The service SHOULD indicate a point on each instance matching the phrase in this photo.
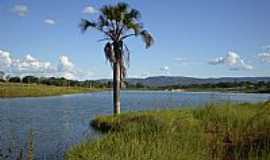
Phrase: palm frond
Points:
(124, 64)
(104, 39)
(122, 6)
(137, 28)
(102, 22)
(147, 38)
(126, 55)
(107, 11)
(118, 22)
(109, 53)
(85, 24)
(123, 72)
(134, 13)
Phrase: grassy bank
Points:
(33, 90)
(218, 132)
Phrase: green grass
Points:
(214, 132)
(33, 90)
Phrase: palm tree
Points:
(117, 23)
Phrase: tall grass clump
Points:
(17, 151)
(214, 132)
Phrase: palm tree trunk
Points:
(116, 88)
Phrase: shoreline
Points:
(199, 90)
(20, 90)
(180, 133)
(8, 90)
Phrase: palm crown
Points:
(118, 23)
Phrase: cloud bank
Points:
(89, 10)
(264, 57)
(30, 65)
(233, 61)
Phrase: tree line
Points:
(53, 81)
(260, 86)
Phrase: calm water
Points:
(58, 122)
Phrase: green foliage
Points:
(53, 81)
(14, 79)
(215, 132)
(117, 23)
(30, 79)
(245, 86)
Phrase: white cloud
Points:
(216, 61)
(65, 64)
(66, 68)
(233, 60)
(27, 66)
(30, 65)
(49, 21)
(165, 69)
(264, 57)
(5, 59)
(20, 10)
(89, 10)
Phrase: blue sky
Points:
(199, 38)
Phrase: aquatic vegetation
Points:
(214, 132)
(15, 151)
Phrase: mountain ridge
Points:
(159, 81)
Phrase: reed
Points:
(213, 132)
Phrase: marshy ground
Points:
(214, 132)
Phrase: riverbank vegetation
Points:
(242, 86)
(245, 86)
(38, 90)
(214, 132)
(54, 81)
(31, 86)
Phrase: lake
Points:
(61, 121)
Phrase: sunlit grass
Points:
(34, 90)
(228, 131)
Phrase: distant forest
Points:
(243, 86)
(52, 81)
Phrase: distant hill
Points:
(178, 80)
